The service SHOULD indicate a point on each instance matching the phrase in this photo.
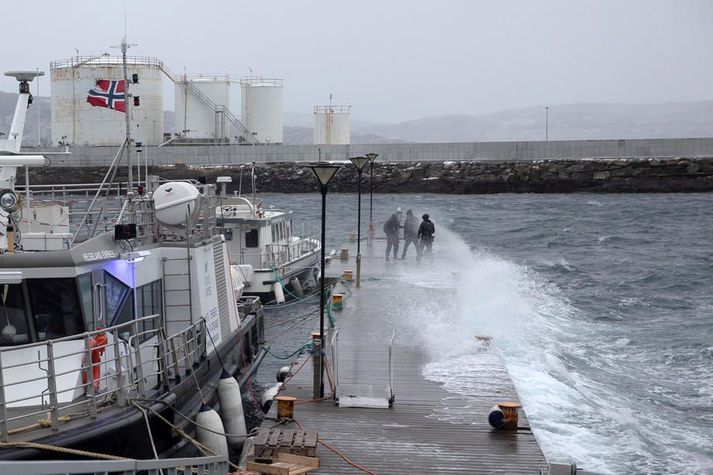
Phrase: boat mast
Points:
(124, 48)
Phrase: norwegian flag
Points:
(108, 94)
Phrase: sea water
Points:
(599, 304)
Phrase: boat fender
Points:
(296, 287)
(282, 373)
(496, 418)
(210, 431)
(279, 293)
(231, 409)
(268, 396)
(97, 346)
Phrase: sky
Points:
(393, 60)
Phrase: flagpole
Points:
(124, 48)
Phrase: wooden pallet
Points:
(270, 442)
(285, 464)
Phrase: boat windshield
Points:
(38, 310)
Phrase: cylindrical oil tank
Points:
(201, 104)
(261, 107)
(332, 125)
(75, 121)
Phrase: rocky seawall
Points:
(461, 177)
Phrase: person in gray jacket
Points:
(391, 229)
(410, 232)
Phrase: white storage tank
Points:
(332, 125)
(261, 108)
(76, 122)
(200, 101)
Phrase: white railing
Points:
(73, 376)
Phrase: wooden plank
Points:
(298, 459)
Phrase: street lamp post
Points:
(372, 230)
(359, 163)
(323, 173)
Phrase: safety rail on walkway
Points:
(48, 383)
(217, 465)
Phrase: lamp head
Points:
(9, 201)
(372, 156)
(324, 173)
(359, 162)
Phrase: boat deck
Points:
(428, 429)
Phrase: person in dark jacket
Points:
(410, 232)
(391, 229)
(426, 231)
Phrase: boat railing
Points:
(217, 465)
(53, 381)
(185, 350)
(276, 254)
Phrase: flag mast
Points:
(124, 48)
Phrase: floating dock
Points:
(427, 429)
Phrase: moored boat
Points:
(267, 256)
(113, 338)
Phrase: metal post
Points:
(52, 386)
(547, 124)
(3, 406)
(124, 48)
(371, 201)
(320, 394)
(358, 257)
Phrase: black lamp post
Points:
(372, 230)
(359, 163)
(323, 173)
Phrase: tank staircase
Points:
(221, 112)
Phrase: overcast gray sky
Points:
(399, 59)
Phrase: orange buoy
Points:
(97, 346)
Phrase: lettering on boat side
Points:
(98, 255)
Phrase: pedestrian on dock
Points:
(426, 231)
(391, 229)
(410, 232)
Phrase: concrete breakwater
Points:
(455, 177)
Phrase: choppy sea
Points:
(601, 306)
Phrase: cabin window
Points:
(86, 297)
(148, 299)
(13, 316)
(55, 307)
(251, 239)
(274, 238)
(116, 294)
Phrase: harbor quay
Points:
(379, 413)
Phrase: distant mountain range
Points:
(566, 122)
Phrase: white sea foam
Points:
(531, 324)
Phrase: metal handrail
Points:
(333, 347)
(217, 465)
(125, 380)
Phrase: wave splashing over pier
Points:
(560, 361)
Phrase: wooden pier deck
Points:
(428, 429)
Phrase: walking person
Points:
(391, 229)
(425, 236)
(410, 232)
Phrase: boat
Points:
(117, 335)
(267, 256)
